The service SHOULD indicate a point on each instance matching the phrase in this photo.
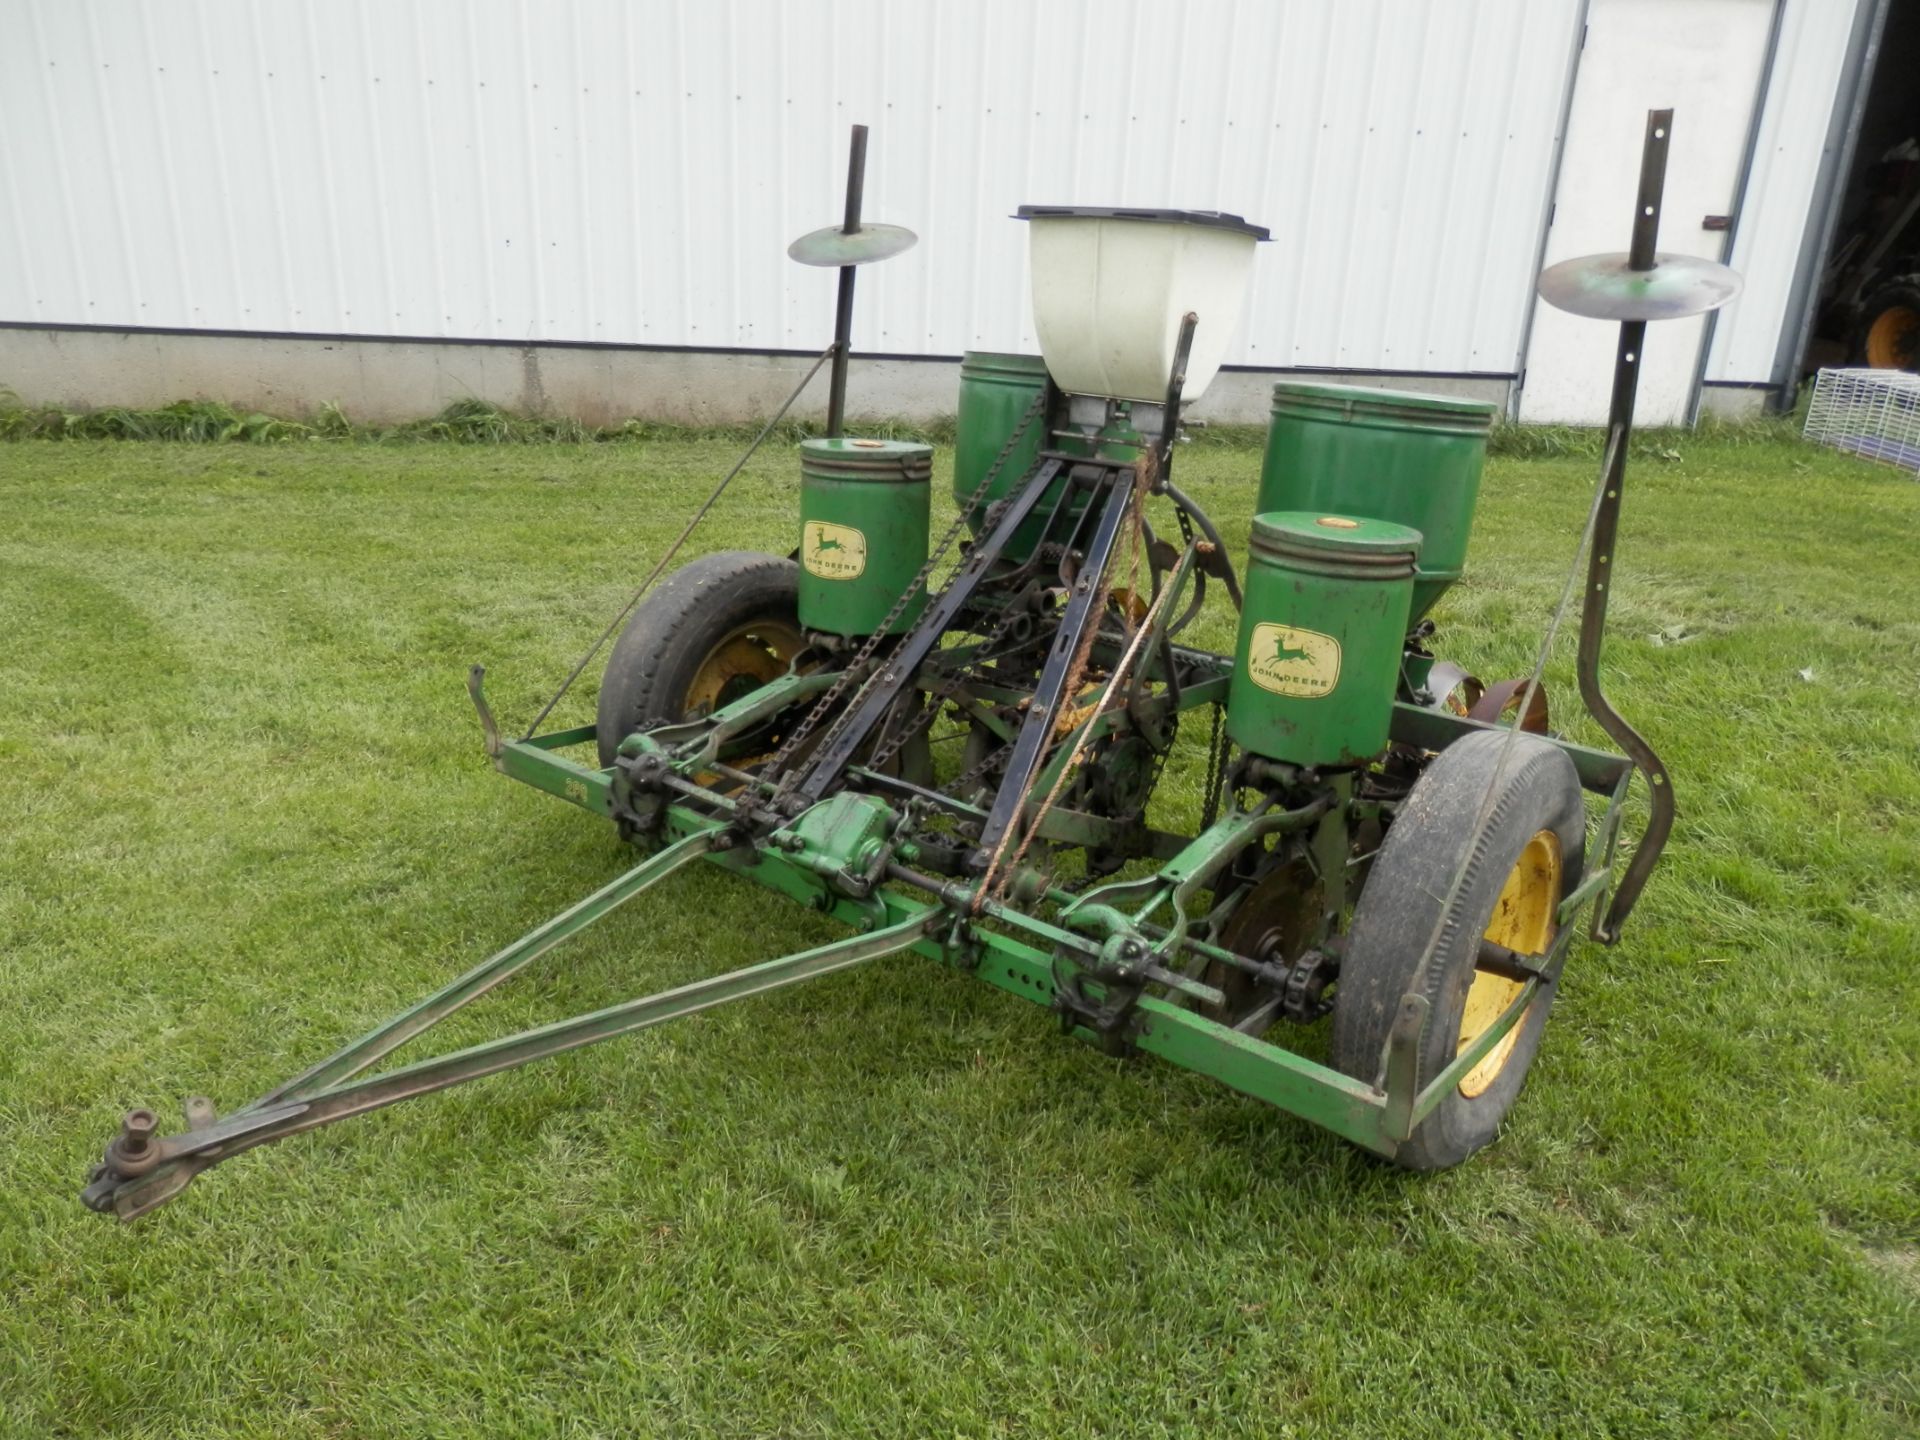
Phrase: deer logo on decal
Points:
(833, 552)
(1288, 661)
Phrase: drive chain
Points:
(835, 693)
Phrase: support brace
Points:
(141, 1173)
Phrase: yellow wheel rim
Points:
(742, 661)
(1523, 922)
(1893, 340)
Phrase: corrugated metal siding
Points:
(633, 172)
(1780, 184)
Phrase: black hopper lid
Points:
(1218, 219)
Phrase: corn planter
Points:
(1381, 846)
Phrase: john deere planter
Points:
(1383, 846)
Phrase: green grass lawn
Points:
(246, 815)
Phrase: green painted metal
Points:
(535, 764)
(1389, 454)
(1120, 906)
(1350, 1108)
(1318, 656)
(560, 739)
(1600, 771)
(864, 506)
(1022, 953)
(996, 392)
(184, 1156)
(1279, 1077)
(843, 838)
(1592, 884)
(491, 972)
(1366, 503)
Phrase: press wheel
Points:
(714, 631)
(1504, 814)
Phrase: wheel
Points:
(1888, 335)
(1520, 862)
(715, 630)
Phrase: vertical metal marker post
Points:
(1606, 527)
(851, 243)
(1633, 288)
(843, 315)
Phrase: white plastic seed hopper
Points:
(1111, 286)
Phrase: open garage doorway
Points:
(1866, 308)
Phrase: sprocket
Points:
(1279, 920)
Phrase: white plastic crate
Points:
(1875, 413)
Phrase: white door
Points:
(1703, 58)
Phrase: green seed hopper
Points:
(1381, 846)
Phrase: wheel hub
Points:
(1523, 923)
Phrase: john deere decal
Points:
(833, 552)
(1302, 663)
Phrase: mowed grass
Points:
(246, 815)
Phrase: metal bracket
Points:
(476, 690)
(1403, 1065)
(1600, 561)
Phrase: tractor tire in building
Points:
(1887, 336)
(715, 630)
(1519, 862)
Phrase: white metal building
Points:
(585, 204)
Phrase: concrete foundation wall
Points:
(388, 381)
(1734, 402)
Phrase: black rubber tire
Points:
(1435, 833)
(1901, 294)
(671, 634)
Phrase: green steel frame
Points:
(1377, 1119)
(999, 943)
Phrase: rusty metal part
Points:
(1144, 471)
(1276, 923)
(1447, 678)
(1606, 529)
(1504, 695)
(1085, 609)
(133, 1151)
